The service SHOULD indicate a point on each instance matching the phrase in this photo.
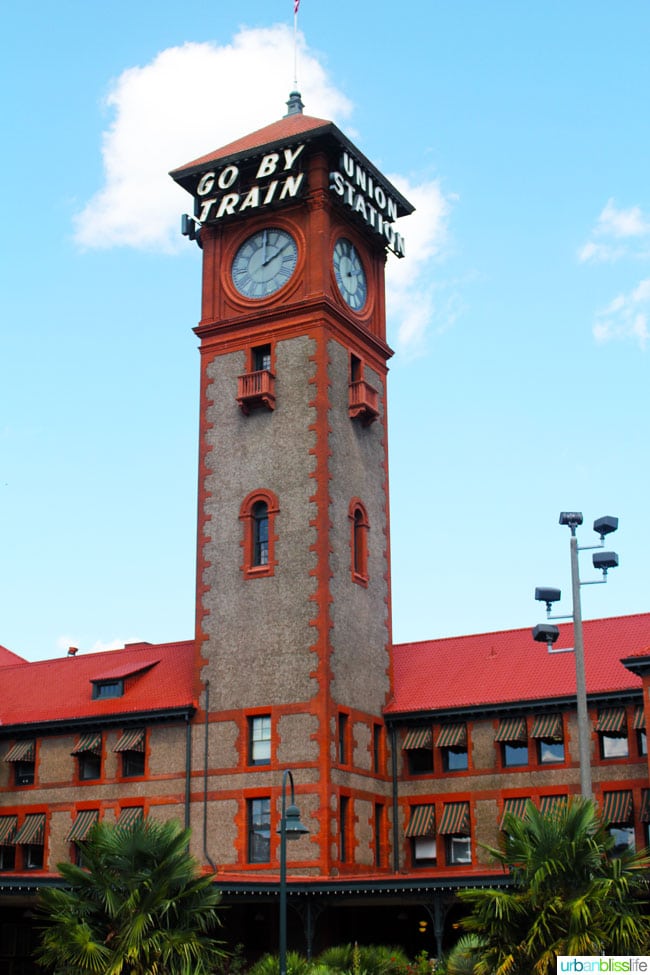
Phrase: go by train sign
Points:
(234, 186)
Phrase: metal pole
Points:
(584, 731)
(283, 873)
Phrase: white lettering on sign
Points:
(363, 194)
(286, 184)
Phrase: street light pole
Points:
(548, 634)
(584, 734)
(290, 828)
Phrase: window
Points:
(258, 813)
(377, 748)
(88, 752)
(618, 811)
(548, 732)
(8, 826)
(452, 742)
(639, 728)
(131, 748)
(342, 741)
(33, 857)
(421, 834)
(378, 834)
(22, 756)
(261, 357)
(24, 773)
(81, 827)
(31, 838)
(642, 742)
(612, 730)
(260, 514)
(455, 827)
(7, 857)
(103, 689)
(259, 739)
(418, 745)
(257, 515)
(344, 827)
(359, 542)
(512, 736)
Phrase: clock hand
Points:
(264, 249)
(273, 256)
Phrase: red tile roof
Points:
(508, 666)
(8, 657)
(284, 128)
(61, 689)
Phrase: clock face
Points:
(349, 274)
(264, 263)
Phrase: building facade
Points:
(404, 758)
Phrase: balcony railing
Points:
(256, 389)
(364, 402)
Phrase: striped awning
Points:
(418, 738)
(455, 819)
(617, 807)
(21, 751)
(611, 720)
(512, 729)
(8, 826)
(639, 719)
(514, 807)
(547, 726)
(86, 819)
(452, 736)
(32, 831)
(645, 806)
(422, 821)
(130, 741)
(129, 816)
(550, 804)
(90, 742)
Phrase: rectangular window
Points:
(24, 773)
(613, 746)
(259, 830)
(377, 740)
(549, 751)
(32, 857)
(261, 358)
(132, 764)
(458, 849)
(90, 766)
(379, 832)
(454, 759)
(424, 851)
(259, 739)
(7, 857)
(642, 742)
(513, 754)
(344, 815)
(343, 747)
(107, 688)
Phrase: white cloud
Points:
(626, 317)
(628, 228)
(188, 101)
(192, 99)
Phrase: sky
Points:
(520, 317)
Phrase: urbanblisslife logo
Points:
(603, 963)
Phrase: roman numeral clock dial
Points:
(264, 263)
(349, 274)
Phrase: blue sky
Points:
(519, 318)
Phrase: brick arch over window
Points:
(257, 515)
(359, 528)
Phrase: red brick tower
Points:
(293, 624)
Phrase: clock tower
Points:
(293, 608)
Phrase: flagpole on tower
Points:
(296, 5)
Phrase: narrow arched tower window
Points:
(359, 542)
(260, 514)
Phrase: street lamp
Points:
(290, 828)
(548, 634)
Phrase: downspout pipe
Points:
(206, 855)
(393, 763)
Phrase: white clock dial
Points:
(264, 263)
(349, 274)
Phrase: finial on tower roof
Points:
(294, 105)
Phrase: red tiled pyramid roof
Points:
(61, 689)
(8, 657)
(508, 666)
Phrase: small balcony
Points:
(364, 402)
(256, 390)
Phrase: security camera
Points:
(605, 560)
(546, 633)
(605, 525)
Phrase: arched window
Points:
(359, 542)
(257, 515)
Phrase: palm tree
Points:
(569, 896)
(138, 906)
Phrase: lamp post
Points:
(290, 828)
(547, 633)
